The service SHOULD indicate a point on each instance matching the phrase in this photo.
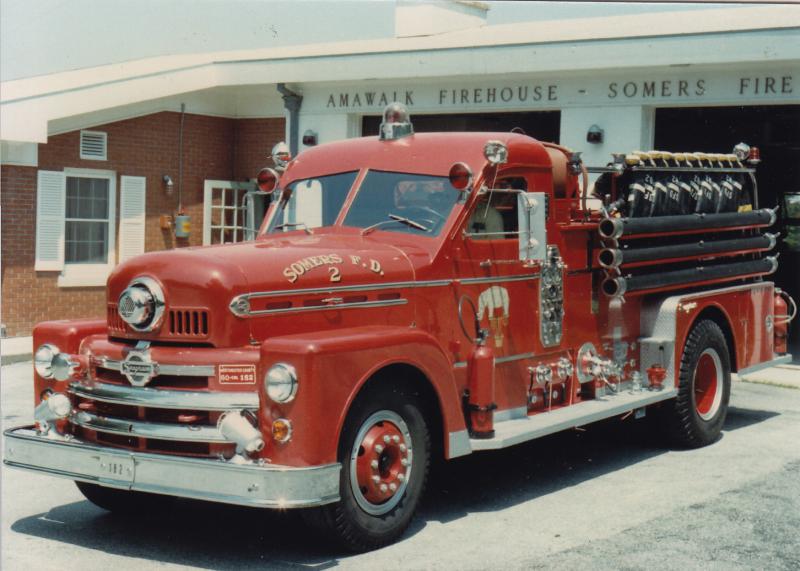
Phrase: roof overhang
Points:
(32, 108)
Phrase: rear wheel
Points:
(696, 416)
(124, 501)
(385, 452)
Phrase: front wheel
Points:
(696, 416)
(385, 453)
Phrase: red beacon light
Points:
(460, 176)
(745, 152)
(267, 180)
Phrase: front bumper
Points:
(255, 485)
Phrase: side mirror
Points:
(532, 218)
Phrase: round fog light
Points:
(282, 430)
(43, 360)
(281, 383)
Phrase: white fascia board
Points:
(640, 41)
(537, 34)
(678, 23)
(27, 119)
(758, 48)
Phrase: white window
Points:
(75, 226)
(232, 211)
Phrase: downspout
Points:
(292, 102)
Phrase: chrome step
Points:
(510, 432)
(162, 398)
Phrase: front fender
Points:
(67, 335)
(332, 367)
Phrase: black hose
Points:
(612, 258)
(618, 227)
(620, 286)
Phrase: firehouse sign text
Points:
(332, 261)
(566, 92)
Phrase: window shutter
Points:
(51, 200)
(131, 216)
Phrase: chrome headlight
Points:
(43, 360)
(141, 304)
(280, 383)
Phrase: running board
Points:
(510, 432)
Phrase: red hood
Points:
(210, 277)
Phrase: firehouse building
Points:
(102, 164)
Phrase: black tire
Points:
(347, 523)
(125, 502)
(695, 417)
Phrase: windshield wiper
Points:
(293, 225)
(396, 218)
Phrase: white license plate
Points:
(115, 468)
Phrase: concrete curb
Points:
(787, 376)
(11, 359)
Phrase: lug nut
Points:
(395, 439)
(386, 439)
(376, 479)
(404, 461)
(374, 464)
(401, 477)
(393, 487)
(383, 488)
(378, 448)
(402, 448)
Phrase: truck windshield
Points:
(311, 203)
(402, 202)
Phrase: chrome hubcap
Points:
(380, 462)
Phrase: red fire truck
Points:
(410, 297)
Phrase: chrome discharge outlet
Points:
(236, 427)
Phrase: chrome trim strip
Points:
(157, 430)
(255, 485)
(511, 358)
(345, 288)
(499, 279)
(333, 306)
(158, 398)
(499, 360)
(357, 288)
(165, 368)
(782, 360)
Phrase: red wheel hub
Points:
(383, 463)
(707, 385)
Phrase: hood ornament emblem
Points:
(138, 366)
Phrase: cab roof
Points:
(424, 153)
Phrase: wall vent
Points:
(94, 145)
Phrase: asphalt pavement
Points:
(609, 497)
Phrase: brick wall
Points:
(213, 148)
(254, 141)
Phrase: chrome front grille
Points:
(164, 416)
